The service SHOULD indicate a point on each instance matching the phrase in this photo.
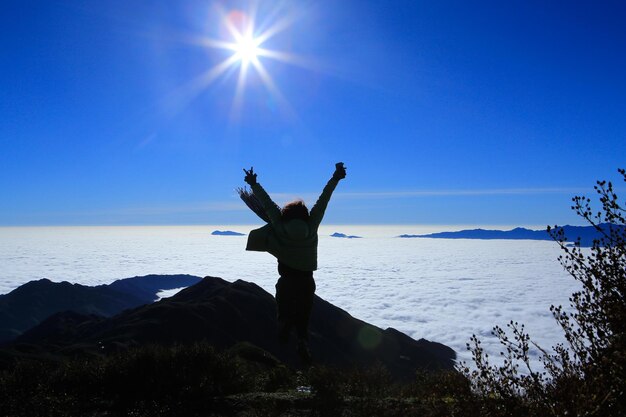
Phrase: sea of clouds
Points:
(438, 289)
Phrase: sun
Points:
(244, 41)
(247, 49)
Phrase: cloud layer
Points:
(441, 290)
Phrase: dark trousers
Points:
(294, 299)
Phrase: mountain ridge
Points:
(31, 303)
(587, 234)
(225, 314)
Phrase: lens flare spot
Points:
(369, 337)
(237, 20)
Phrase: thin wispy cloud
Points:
(312, 197)
(185, 208)
(203, 207)
(466, 192)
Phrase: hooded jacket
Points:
(294, 242)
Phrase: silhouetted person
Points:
(291, 236)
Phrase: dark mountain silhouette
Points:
(226, 233)
(226, 314)
(29, 304)
(586, 233)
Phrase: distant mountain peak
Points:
(587, 234)
(343, 235)
(226, 233)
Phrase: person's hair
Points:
(295, 210)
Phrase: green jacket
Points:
(294, 242)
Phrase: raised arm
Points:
(318, 210)
(271, 209)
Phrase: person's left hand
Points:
(250, 177)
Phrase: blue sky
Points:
(445, 112)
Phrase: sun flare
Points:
(245, 43)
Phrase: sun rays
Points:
(244, 43)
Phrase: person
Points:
(291, 235)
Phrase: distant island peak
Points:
(226, 233)
(344, 236)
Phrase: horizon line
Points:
(256, 225)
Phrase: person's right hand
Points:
(340, 171)
(250, 177)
